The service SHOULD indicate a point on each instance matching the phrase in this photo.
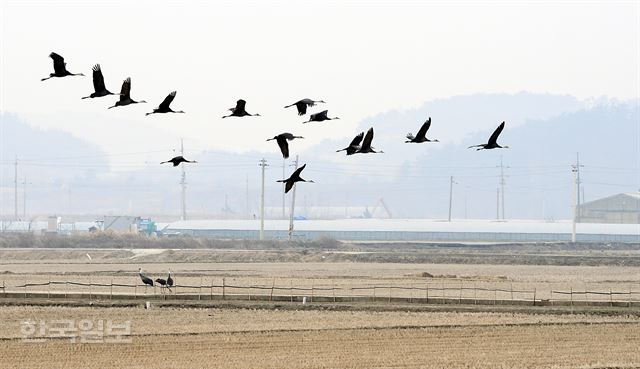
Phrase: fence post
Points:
(444, 298)
(475, 294)
(374, 293)
(66, 287)
(250, 287)
(610, 297)
(586, 294)
(389, 293)
(111, 290)
(200, 291)
(411, 293)
(460, 295)
(534, 296)
(512, 293)
(211, 290)
(629, 300)
(333, 289)
(427, 293)
(48, 288)
(350, 292)
(571, 295)
(313, 282)
(223, 289)
(273, 284)
(135, 291)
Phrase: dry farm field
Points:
(249, 334)
(244, 338)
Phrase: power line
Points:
(502, 184)
(183, 183)
(263, 164)
(15, 192)
(574, 170)
(293, 203)
(451, 182)
(578, 183)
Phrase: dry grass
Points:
(181, 338)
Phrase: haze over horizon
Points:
(468, 66)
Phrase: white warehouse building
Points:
(409, 230)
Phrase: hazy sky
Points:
(361, 57)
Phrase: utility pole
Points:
(284, 215)
(183, 183)
(263, 164)
(502, 185)
(15, 189)
(293, 204)
(24, 198)
(574, 171)
(451, 182)
(247, 197)
(578, 184)
(497, 203)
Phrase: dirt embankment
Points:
(123, 248)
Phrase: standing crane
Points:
(421, 136)
(59, 68)
(146, 280)
(169, 280)
(99, 88)
(493, 140)
(125, 95)
(282, 139)
(303, 104)
(162, 283)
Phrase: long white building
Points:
(409, 230)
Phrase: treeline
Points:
(113, 240)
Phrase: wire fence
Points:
(434, 293)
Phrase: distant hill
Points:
(51, 160)
(543, 131)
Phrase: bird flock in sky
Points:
(361, 144)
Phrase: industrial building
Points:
(623, 208)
